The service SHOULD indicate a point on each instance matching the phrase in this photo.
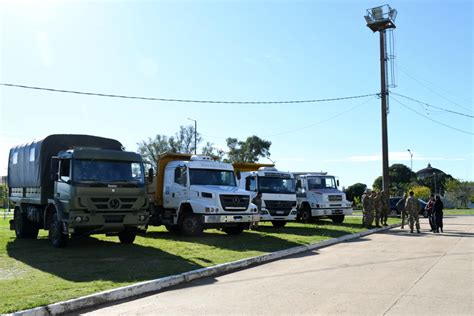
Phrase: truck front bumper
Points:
(230, 218)
(266, 216)
(331, 211)
(105, 221)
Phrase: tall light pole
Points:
(411, 160)
(195, 135)
(434, 178)
(379, 19)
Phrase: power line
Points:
(432, 106)
(185, 100)
(428, 118)
(433, 90)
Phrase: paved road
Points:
(393, 273)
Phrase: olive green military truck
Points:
(76, 184)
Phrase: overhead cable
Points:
(184, 100)
(428, 118)
(432, 106)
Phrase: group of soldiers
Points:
(375, 206)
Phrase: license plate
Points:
(280, 212)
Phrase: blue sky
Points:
(244, 50)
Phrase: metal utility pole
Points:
(379, 19)
(411, 160)
(195, 135)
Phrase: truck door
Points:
(178, 189)
(62, 187)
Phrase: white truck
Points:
(277, 187)
(193, 193)
(318, 196)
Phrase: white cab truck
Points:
(318, 196)
(277, 187)
(193, 193)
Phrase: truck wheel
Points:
(24, 228)
(337, 219)
(306, 214)
(191, 224)
(174, 229)
(234, 230)
(127, 236)
(56, 236)
(278, 224)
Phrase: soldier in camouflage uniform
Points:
(378, 208)
(385, 208)
(412, 206)
(367, 208)
(401, 207)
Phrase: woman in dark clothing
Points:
(438, 214)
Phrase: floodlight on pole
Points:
(379, 19)
(195, 135)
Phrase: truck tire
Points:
(306, 214)
(337, 219)
(191, 224)
(56, 236)
(278, 224)
(234, 230)
(127, 236)
(174, 229)
(24, 228)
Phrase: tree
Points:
(182, 142)
(249, 150)
(3, 195)
(210, 150)
(436, 182)
(459, 192)
(400, 178)
(420, 191)
(355, 190)
(153, 148)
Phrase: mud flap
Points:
(12, 224)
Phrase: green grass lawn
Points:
(33, 273)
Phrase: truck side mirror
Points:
(238, 174)
(54, 169)
(337, 182)
(150, 175)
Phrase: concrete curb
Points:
(165, 282)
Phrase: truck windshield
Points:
(211, 177)
(107, 171)
(315, 183)
(276, 185)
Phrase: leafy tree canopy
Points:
(249, 150)
(355, 190)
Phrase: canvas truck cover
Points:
(29, 165)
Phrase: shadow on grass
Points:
(91, 259)
(247, 241)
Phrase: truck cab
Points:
(278, 193)
(318, 196)
(76, 184)
(199, 193)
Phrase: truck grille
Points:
(279, 205)
(335, 197)
(113, 203)
(235, 202)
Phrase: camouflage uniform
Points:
(401, 207)
(385, 208)
(412, 207)
(378, 208)
(368, 211)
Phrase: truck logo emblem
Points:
(114, 203)
(235, 200)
